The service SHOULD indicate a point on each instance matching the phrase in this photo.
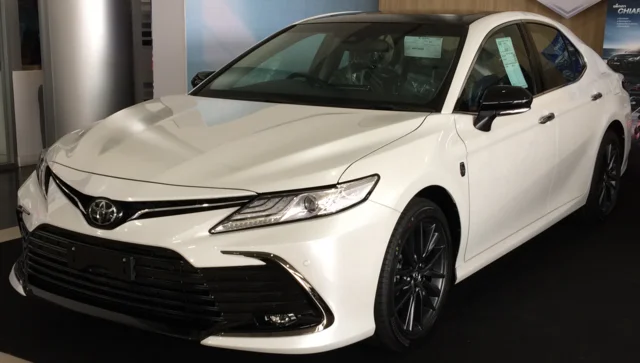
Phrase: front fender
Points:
(430, 156)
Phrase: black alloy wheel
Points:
(605, 183)
(609, 185)
(420, 275)
(416, 276)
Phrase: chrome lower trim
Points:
(327, 315)
(23, 210)
(68, 193)
(15, 283)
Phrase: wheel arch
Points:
(617, 127)
(441, 196)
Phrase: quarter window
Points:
(502, 60)
(577, 60)
(560, 61)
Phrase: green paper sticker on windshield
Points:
(510, 62)
(423, 47)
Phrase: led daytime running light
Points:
(295, 206)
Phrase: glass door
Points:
(4, 134)
(7, 136)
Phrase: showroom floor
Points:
(570, 295)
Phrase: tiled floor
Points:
(10, 181)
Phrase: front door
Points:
(511, 167)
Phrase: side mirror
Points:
(200, 77)
(501, 101)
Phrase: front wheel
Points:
(605, 183)
(416, 275)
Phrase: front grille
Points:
(129, 211)
(159, 286)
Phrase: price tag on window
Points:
(510, 62)
(423, 47)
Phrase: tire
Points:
(427, 286)
(605, 182)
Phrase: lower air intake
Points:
(159, 288)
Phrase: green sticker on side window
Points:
(510, 62)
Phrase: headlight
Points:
(294, 206)
(42, 173)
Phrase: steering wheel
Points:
(314, 81)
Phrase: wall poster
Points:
(621, 47)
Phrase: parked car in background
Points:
(626, 63)
(635, 115)
(331, 184)
(631, 84)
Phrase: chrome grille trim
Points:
(148, 209)
(327, 316)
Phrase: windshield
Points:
(361, 65)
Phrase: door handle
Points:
(596, 96)
(547, 118)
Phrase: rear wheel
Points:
(605, 183)
(416, 276)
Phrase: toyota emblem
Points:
(102, 212)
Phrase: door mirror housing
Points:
(501, 101)
(200, 77)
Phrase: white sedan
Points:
(329, 185)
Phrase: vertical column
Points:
(87, 62)
(169, 48)
(142, 50)
(9, 61)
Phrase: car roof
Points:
(380, 17)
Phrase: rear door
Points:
(574, 96)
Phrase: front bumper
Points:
(335, 259)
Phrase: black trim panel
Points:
(104, 314)
(380, 17)
(156, 289)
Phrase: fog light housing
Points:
(280, 320)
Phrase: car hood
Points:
(217, 143)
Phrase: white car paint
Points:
(522, 177)
(216, 143)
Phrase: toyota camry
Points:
(331, 184)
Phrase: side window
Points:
(502, 60)
(297, 58)
(577, 60)
(560, 60)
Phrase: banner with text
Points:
(621, 47)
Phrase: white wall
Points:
(169, 48)
(27, 115)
